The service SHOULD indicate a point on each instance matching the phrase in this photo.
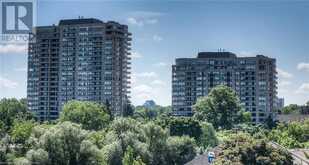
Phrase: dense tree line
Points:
(244, 149)
(87, 133)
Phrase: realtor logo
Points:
(17, 17)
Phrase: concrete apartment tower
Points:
(79, 59)
(253, 78)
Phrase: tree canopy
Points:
(242, 149)
(91, 115)
(221, 108)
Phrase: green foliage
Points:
(38, 156)
(131, 141)
(208, 138)
(112, 153)
(292, 108)
(12, 109)
(91, 115)
(243, 149)
(181, 149)
(65, 143)
(180, 126)
(292, 135)
(154, 138)
(221, 108)
(21, 161)
(21, 131)
(130, 159)
(141, 113)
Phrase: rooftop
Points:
(79, 21)
(216, 55)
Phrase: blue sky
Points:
(165, 30)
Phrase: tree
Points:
(292, 108)
(155, 138)
(221, 108)
(185, 126)
(208, 137)
(292, 135)
(21, 131)
(12, 109)
(180, 149)
(128, 158)
(143, 113)
(243, 149)
(66, 143)
(38, 156)
(91, 116)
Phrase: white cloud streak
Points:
(13, 48)
(303, 89)
(6, 83)
(303, 66)
(136, 55)
(283, 74)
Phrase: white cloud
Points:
(6, 83)
(143, 88)
(13, 48)
(136, 55)
(283, 74)
(303, 89)
(157, 38)
(141, 18)
(284, 80)
(158, 82)
(134, 21)
(143, 92)
(146, 75)
(159, 64)
(303, 66)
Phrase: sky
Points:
(165, 30)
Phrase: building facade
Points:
(253, 79)
(279, 103)
(78, 59)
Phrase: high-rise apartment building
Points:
(79, 59)
(253, 79)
